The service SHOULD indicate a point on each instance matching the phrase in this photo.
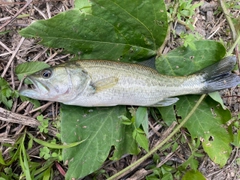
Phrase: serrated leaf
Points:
(191, 162)
(193, 175)
(28, 68)
(101, 129)
(184, 61)
(115, 30)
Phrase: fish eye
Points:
(46, 73)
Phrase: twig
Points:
(35, 2)
(42, 107)
(40, 12)
(159, 51)
(14, 17)
(151, 152)
(12, 57)
(9, 116)
(235, 44)
(7, 140)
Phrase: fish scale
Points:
(109, 83)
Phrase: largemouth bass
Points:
(109, 83)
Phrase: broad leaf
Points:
(101, 128)
(206, 124)
(115, 30)
(184, 61)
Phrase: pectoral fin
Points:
(105, 83)
(165, 102)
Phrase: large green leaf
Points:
(206, 124)
(184, 60)
(116, 30)
(101, 129)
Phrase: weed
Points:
(43, 127)
(6, 93)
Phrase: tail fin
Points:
(219, 76)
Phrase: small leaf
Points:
(127, 122)
(6, 93)
(2, 162)
(190, 162)
(55, 146)
(47, 173)
(44, 152)
(217, 97)
(193, 175)
(236, 139)
(28, 68)
(142, 119)
(141, 139)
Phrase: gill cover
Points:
(60, 83)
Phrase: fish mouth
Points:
(35, 89)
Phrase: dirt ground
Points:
(209, 22)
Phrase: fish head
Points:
(61, 83)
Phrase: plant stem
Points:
(229, 20)
(159, 51)
(152, 151)
(235, 35)
(233, 46)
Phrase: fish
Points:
(93, 83)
